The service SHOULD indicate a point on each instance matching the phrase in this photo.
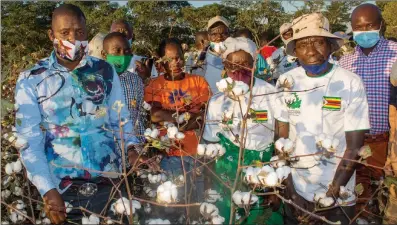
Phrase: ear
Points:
(103, 54)
(51, 35)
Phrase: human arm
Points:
(28, 120)
(346, 168)
(356, 124)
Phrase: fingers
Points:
(57, 215)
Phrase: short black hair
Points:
(113, 35)
(68, 9)
(264, 36)
(168, 41)
(244, 32)
(122, 21)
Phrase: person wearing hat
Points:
(372, 60)
(218, 32)
(280, 62)
(324, 101)
(239, 60)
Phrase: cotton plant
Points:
(123, 206)
(244, 199)
(365, 152)
(266, 176)
(211, 150)
(149, 192)
(212, 196)
(92, 219)
(151, 133)
(217, 220)
(69, 207)
(167, 193)
(327, 143)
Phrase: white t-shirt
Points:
(310, 115)
(260, 132)
(213, 71)
(132, 65)
(281, 63)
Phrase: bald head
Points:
(122, 26)
(366, 17)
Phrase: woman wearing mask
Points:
(225, 117)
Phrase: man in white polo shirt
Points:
(324, 99)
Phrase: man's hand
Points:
(135, 159)
(273, 201)
(143, 69)
(54, 207)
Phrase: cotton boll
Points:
(5, 194)
(208, 210)
(271, 179)
(18, 191)
(146, 106)
(267, 169)
(9, 168)
(149, 192)
(155, 133)
(319, 195)
(46, 221)
(335, 143)
(148, 132)
(180, 136)
(326, 143)
(171, 132)
(68, 207)
(229, 80)
(277, 162)
(147, 208)
(17, 166)
(344, 193)
(248, 198)
(201, 149)
(167, 192)
(222, 85)
(36, 222)
(218, 220)
(211, 150)
(237, 197)
(13, 217)
(279, 144)
(21, 143)
(85, 220)
(212, 196)
(326, 202)
(109, 222)
(251, 175)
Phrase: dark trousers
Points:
(99, 203)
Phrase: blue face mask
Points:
(366, 39)
(315, 69)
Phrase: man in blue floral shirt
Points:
(68, 108)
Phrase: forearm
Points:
(161, 115)
(281, 130)
(347, 166)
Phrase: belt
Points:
(384, 137)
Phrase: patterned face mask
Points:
(70, 51)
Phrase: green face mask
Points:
(120, 62)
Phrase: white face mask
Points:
(218, 47)
(70, 51)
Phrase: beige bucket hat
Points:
(216, 19)
(309, 25)
(285, 27)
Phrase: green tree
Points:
(155, 20)
(338, 14)
(390, 19)
(197, 18)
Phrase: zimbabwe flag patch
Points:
(260, 116)
(332, 103)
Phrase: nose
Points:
(311, 50)
(72, 37)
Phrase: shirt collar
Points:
(377, 48)
(53, 62)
